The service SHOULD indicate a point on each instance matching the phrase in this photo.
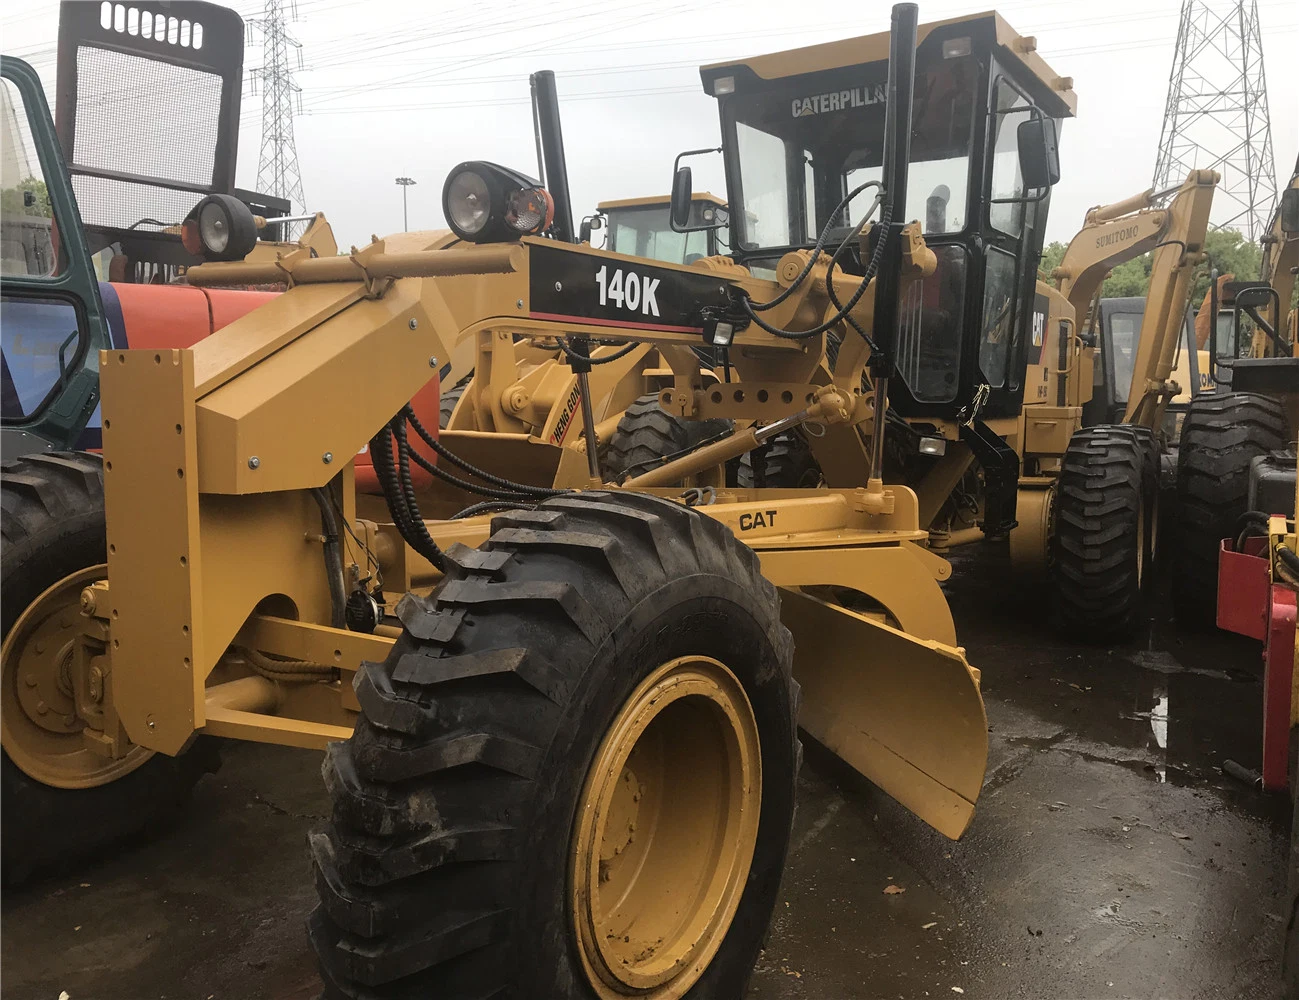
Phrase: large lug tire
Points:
(60, 801)
(1221, 437)
(1106, 530)
(647, 434)
(790, 464)
(468, 841)
(787, 463)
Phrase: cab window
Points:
(1012, 109)
(28, 243)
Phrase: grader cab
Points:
(561, 714)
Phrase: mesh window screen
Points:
(148, 118)
(121, 204)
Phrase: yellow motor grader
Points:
(560, 716)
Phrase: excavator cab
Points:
(802, 129)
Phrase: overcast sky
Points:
(392, 88)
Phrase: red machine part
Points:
(1250, 604)
(1278, 666)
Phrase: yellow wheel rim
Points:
(38, 699)
(665, 831)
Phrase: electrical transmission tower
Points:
(1216, 116)
(277, 172)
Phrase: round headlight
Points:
(468, 202)
(220, 227)
(214, 228)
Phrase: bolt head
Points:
(519, 304)
(42, 708)
(559, 286)
(327, 457)
(151, 723)
(414, 323)
(29, 679)
(433, 361)
(254, 462)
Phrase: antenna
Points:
(1216, 116)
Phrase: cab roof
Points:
(658, 199)
(1053, 92)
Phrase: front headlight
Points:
(468, 203)
(487, 203)
(220, 227)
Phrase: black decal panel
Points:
(1037, 329)
(614, 291)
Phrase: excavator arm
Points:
(1114, 234)
(1179, 250)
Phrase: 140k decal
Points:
(628, 290)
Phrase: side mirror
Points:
(1290, 211)
(29, 199)
(1039, 153)
(584, 233)
(682, 190)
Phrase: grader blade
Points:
(905, 712)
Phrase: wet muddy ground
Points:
(1109, 856)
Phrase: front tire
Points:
(59, 800)
(647, 435)
(461, 835)
(1221, 437)
(1106, 529)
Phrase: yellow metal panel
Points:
(154, 557)
(892, 575)
(256, 547)
(905, 713)
(326, 393)
(240, 345)
(1047, 429)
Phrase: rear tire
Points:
(52, 529)
(790, 464)
(647, 434)
(444, 871)
(1105, 531)
(1221, 437)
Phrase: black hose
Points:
(491, 506)
(402, 504)
(571, 354)
(333, 558)
(872, 268)
(885, 220)
(817, 249)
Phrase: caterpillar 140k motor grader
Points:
(560, 719)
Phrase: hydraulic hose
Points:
(333, 558)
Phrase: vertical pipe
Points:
(552, 147)
(896, 160)
(588, 427)
(536, 133)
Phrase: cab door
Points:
(52, 322)
(1012, 320)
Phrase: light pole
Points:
(405, 182)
